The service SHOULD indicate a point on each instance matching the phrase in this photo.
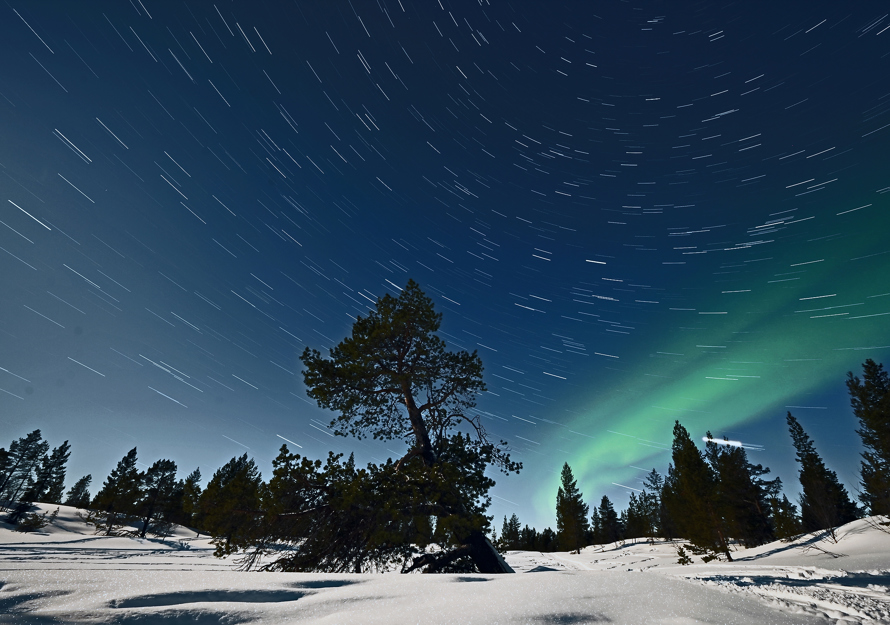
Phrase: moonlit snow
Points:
(65, 573)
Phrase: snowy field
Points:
(67, 574)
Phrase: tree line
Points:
(717, 496)
(393, 379)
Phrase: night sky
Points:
(636, 212)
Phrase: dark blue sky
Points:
(635, 212)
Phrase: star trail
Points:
(635, 212)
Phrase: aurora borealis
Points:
(635, 212)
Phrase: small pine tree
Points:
(683, 557)
(870, 399)
(786, 521)
(596, 528)
(191, 494)
(229, 506)
(120, 493)
(610, 523)
(157, 502)
(53, 484)
(571, 512)
(510, 539)
(824, 502)
(22, 464)
(79, 495)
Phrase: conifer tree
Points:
(24, 458)
(824, 502)
(50, 483)
(120, 493)
(786, 521)
(191, 494)
(230, 505)
(79, 494)
(596, 528)
(510, 539)
(870, 399)
(689, 496)
(741, 497)
(392, 378)
(158, 496)
(547, 541)
(528, 538)
(611, 525)
(571, 512)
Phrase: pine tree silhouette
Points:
(870, 399)
(571, 512)
(824, 502)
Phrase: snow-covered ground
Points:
(67, 574)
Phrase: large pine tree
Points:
(571, 512)
(824, 502)
(689, 495)
(870, 398)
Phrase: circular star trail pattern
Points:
(635, 212)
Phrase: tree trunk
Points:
(485, 556)
(423, 445)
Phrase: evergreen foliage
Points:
(24, 461)
(741, 496)
(689, 495)
(571, 512)
(158, 501)
(870, 399)
(510, 539)
(824, 502)
(191, 495)
(119, 494)
(596, 528)
(229, 507)
(53, 475)
(786, 521)
(610, 525)
(79, 494)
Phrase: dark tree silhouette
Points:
(690, 496)
(741, 497)
(119, 494)
(229, 507)
(79, 494)
(571, 512)
(392, 378)
(870, 398)
(824, 502)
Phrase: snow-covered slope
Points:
(67, 574)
